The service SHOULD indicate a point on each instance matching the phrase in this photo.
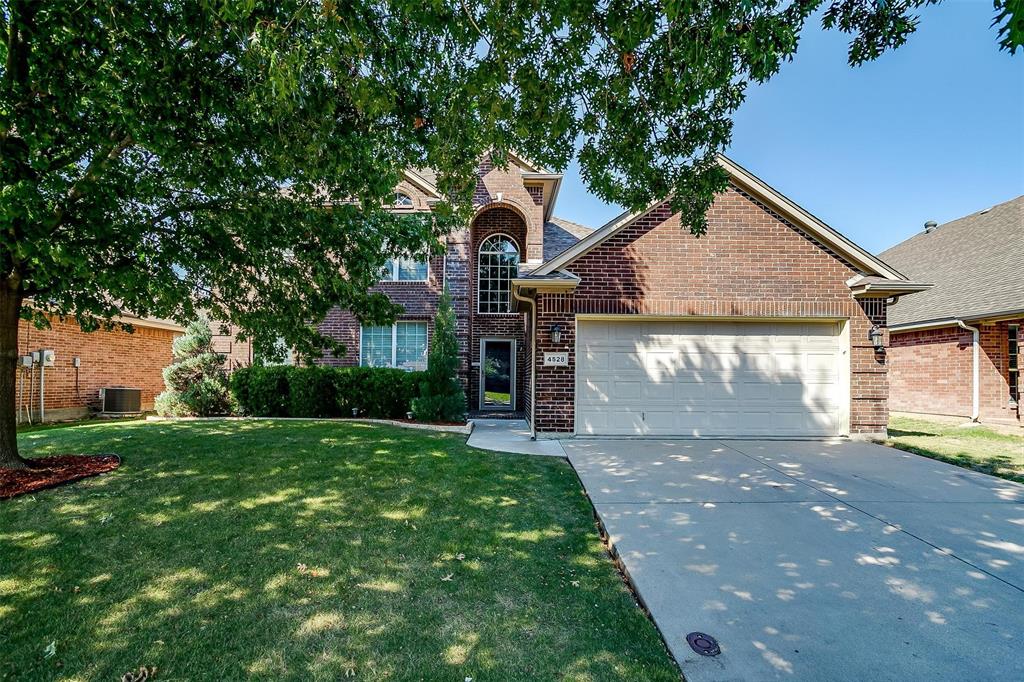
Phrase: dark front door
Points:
(497, 381)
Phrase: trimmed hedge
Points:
(282, 391)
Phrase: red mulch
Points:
(48, 472)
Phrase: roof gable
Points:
(744, 180)
(976, 263)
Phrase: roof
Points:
(560, 234)
(838, 243)
(976, 263)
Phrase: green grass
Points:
(497, 398)
(974, 447)
(313, 551)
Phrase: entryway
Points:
(497, 374)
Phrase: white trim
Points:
(511, 373)
(395, 268)
(479, 250)
(801, 218)
(419, 181)
(394, 341)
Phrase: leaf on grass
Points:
(51, 650)
(460, 556)
(448, 578)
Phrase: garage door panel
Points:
(708, 378)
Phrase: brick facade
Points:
(751, 264)
(932, 372)
(114, 358)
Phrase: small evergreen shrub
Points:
(196, 383)
(441, 397)
(316, 391)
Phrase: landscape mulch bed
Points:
(48, 472)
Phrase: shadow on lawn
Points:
(312, 550)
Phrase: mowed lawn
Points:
(973, 447)
(312, 551)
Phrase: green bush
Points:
(441, 397)
(196, 383)
(324, 391)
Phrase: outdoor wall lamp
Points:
(877, 338)
(556, 333)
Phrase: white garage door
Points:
(709, 378)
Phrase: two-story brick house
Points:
(770, 325)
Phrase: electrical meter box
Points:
(48, 357)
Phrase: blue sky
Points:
(932, 131)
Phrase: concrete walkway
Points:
(511, 435)
(816, 561)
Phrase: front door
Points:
(497, 374)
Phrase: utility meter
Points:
(48, 357)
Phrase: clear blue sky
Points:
(932, 131)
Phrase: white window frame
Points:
(396, 266)
(480, 251)
(403, 207)
(394, 342)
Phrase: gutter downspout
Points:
(533, 359)
(976, 374)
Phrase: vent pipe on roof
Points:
(929, 226)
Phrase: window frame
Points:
(479, 279)
(396, 267)
(396, 204)
(394, 343)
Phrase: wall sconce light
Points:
(877, 338)
(556, 333)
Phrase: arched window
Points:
(497, 265)
(402, 200)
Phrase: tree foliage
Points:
(442, 397)
(196, 383)
(164, 157)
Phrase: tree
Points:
(196, 383)
(162, 157)
(442, 397)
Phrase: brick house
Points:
(104, 358)
(956, 349)
(763, 327)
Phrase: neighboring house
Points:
(956, 349)
(85, 362)
(760, 328)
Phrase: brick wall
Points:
(114, 358)
(751, 263)
(931, 372)
(494, 325)
(527, 201)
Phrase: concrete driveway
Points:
(816, 561)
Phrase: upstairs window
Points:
(402, 200)
(404, 270)
(497, 264)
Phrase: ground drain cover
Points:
(705, 645)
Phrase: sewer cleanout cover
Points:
(705, 645)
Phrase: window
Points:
(402, 345)
(404, 270)
(1014, 365)
(402, 200)
(497, 265)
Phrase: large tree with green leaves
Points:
(234, 156)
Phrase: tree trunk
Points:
(10, 311)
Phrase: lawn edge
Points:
(947, 459)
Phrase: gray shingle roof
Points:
(560, 234)
(976, 264)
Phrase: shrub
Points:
(196, 383)
(441, 397)
(324, 391)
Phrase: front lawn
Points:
(311, 550)
(973, 447)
